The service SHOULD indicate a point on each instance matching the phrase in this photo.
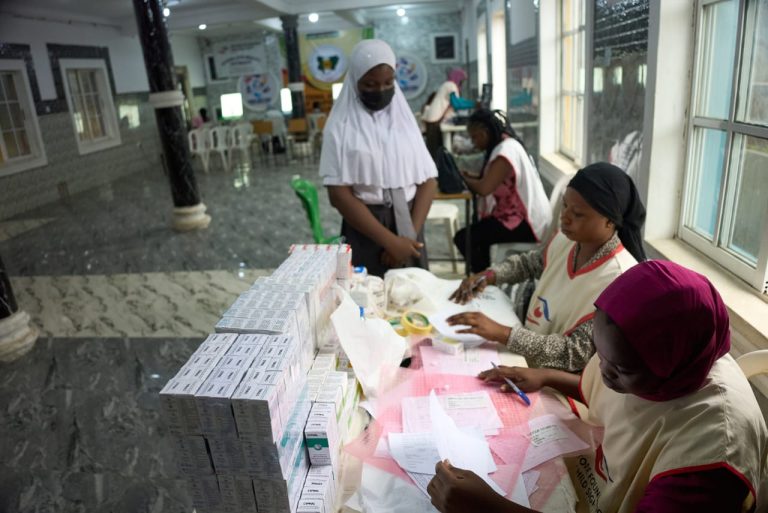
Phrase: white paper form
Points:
(470, 362)
(414, 452)
(531, 479)
(421, 480)
(473, 409)
(550, 438)
(461, 449)
(440, 323)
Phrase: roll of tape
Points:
(398, 326)
(416, 323)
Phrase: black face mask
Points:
(377, 100)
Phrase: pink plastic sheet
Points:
(508, 448)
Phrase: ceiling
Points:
(230, 16)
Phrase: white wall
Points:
(124, 51)
(186, 52)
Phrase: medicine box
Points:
(177, 400)
(237, 494)
(214, 404)
(191, 456)
(256, 411)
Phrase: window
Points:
(20, 144)
(725, 211)
(571, 78)
(90, 103)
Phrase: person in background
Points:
(682, 429)
(514, 206)
(599, 239)
(201, 119)
(442, 108)
(375, 166)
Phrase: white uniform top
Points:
(718, 426)
(527, 184)
(439, 109)
(565, 298)
(373, 151)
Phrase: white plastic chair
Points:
(240, 141)
(752, 364)
(199, 144)
(446, 214)
(501, 251)
(220, 143)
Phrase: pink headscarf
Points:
(675, 320)
(456, 75)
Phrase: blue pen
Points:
(514, 387)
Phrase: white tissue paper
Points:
(371, 345)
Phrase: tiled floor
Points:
(121, 301)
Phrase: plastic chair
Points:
(753, 364)
(501, 251)
(199, 144)
(298, 137)
(447, 214)
(262, 131)
(241, 141)
(220, 143)
(307, 193)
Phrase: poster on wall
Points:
(240, 58)
(411, 74)
(325, 56)
(259, 91)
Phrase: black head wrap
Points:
(611, 192)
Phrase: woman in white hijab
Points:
(375, 165)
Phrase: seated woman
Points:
(599, 239)
(515, 207)
(375, 165)
(682, 429)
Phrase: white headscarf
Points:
(381, 149)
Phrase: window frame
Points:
(756, 276)
(37, 157)
(576, 155)
(109, 113)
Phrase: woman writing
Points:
(515, 206)
(683, 431)
(378, 172)
(599, 239)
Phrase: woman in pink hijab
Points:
(682, 429)
(443, 107)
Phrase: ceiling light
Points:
(313, 17)
(166, 12)
(202, 26)
(400, 11)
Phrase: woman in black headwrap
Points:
(599, 238)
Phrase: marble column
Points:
(189, 211)
(16, 335)
(293, 58)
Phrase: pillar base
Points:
(17, 337)
(190, 218)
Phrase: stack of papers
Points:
(469, 363)
(418, 452)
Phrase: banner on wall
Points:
(240, 58)
(325, 56)
(259, 91)
(411, 74)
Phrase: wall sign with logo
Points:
(411, 75)
(327, 63)
(236, 59)
(259, 91)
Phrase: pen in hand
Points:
(514, 387)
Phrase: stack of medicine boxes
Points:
(239, 406)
